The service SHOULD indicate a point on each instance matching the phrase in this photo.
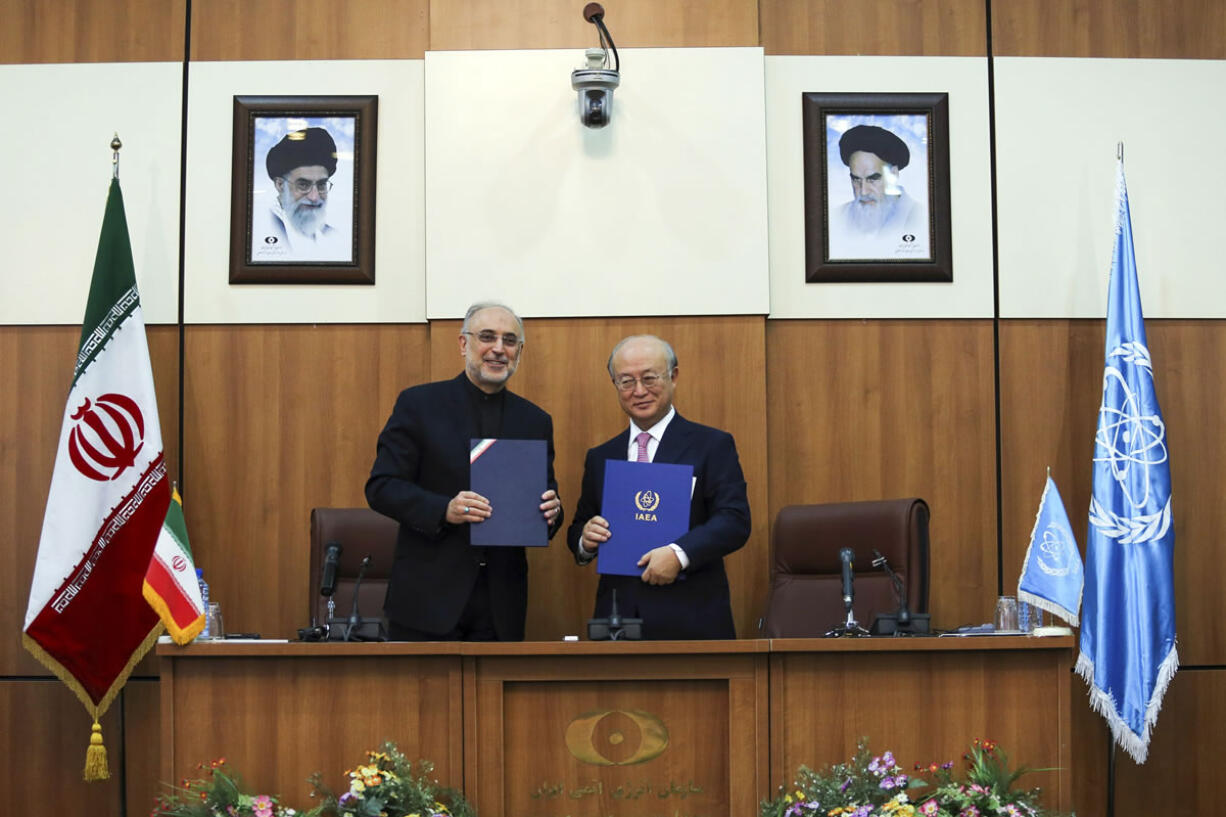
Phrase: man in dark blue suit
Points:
(441, 587)
(683, 589)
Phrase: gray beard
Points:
(869, 218)
(306, 219)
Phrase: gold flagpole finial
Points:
(115, 146)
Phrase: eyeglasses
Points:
(490, 337)
(303, 186)
(651, 381)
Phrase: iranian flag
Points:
(171, 586)
(87, 620)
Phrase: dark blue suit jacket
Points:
(421, 463)
(697, 605)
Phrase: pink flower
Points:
(262, 806)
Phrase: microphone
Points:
(593, 12)
(332, 560)
(355, 618)
(904, 615)
(847, 556)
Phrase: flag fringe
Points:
(180, 635)
(1102, 702)
(1050, 606)
(95, 755)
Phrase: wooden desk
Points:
(621, 729)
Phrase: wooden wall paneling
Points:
(518, 24)
(884, 409)
(1051, 387)
(44, 732)
(950, 28)
(278, 420)
(39, 361)
(721, 383)
(309, 29)
(142, 744)
(1148, 29)
(45, 31)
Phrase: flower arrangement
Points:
(387, 785)
(216, 793)
(875, 786)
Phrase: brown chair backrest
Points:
(806, 597)
(360, 532)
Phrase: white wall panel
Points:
(969, 295)
(662, 212)
(1059, 121)
(56, 140)
(398, 295)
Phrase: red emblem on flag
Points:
(179, 564)
(109, 433)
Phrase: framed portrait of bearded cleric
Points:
(302, 201)
(877, 187)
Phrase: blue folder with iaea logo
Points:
(647, 505)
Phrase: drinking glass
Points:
(213, 621)
(1006, 614)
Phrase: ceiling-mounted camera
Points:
(596, 80)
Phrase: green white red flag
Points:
(87, 620)
(171, 586)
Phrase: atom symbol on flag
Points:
(1054, 550)
(1127, 439)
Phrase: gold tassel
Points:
(95, 757)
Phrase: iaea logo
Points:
(626, 737)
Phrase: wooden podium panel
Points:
(616, 729)
(278, 713)
(925, 700)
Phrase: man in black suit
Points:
(683, 590)
(441, 587)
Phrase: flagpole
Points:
(115, 146)
(1110, 775)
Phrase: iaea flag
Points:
(1052, 574)
(1128, 653)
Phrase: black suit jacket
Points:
(697, 605)
(421, 463)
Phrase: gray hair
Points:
(669, 354)
(477, 307)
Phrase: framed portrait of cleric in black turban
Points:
(877, 187)
(303, 190)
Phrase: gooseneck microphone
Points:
(847, 556)
(355, 617)
(900, 589)
(332, 560)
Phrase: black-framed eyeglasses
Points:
(303, 186)
(651, 381)
(490, 337)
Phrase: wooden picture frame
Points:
(877, 187)
(307, 214)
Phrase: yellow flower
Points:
(357, 786)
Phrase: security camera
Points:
(596, 80)
(595, 85)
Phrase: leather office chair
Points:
(806, 598)
(360, 532)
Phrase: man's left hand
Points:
(662, 565)
(551, 506)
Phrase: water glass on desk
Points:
(213, 624)
(1006, 614)
(1029, 616)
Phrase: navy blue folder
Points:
(511, 474)
(647, 505)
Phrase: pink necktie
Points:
(642, 441)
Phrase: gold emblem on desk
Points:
(646, 501)
(616, 737)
